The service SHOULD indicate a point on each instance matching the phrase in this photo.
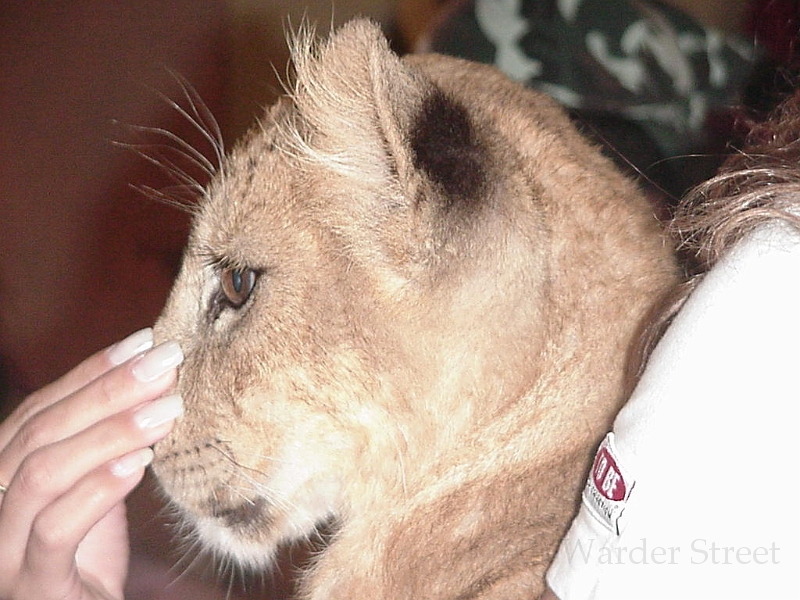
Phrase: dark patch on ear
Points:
(445, 147)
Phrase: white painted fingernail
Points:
(159, 412)
(131, 346)
(158, 361)
(131, 463)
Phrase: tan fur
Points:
(437, 338)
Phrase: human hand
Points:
(69, 455)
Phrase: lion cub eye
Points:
(237, 285)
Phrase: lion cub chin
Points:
(406, 307)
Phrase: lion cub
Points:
(406, 305)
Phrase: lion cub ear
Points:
(368, 114)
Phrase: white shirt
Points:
(706, 449)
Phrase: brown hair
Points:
(757, 184)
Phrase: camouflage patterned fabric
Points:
(645, 62)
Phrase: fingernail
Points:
(131, 346)
(159, 412)
(158, 361)
(131, 463)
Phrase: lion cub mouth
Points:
(208, 477)
(246, 504)
(243, 516)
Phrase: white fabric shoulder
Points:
(708, 448)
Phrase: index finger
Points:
(79, 377)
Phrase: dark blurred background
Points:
(86, 258)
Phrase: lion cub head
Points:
(402, 256)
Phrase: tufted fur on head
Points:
(406, 307)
